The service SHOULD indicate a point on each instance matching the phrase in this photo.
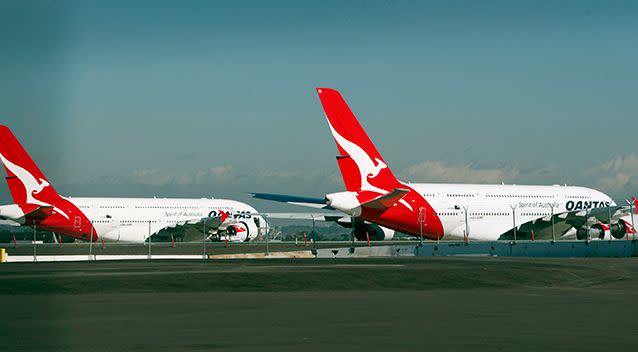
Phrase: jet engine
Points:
(599, 231)
(620, 230)
(237, 232)
(376, 232)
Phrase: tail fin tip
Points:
(359, 160)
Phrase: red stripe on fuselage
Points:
(401, 218)
(77, 225)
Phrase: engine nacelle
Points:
(347, 202)
(237, 232)
(593, 232)
(601, 231)
(376, 232)
(619, 230)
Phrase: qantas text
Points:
(572, 205)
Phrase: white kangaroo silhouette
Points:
(367, 168)
(31, 185)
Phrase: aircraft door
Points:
(463, 219)
(114, 225)
(77, 222)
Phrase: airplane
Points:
(134, 220)
(455, 211)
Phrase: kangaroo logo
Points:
(40, 186)
(377, 168)
(367, 168)
(31, 185)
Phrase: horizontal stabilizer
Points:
(20, 212)
(306, 216)
(387, 200)
(296, 200)
(40, 212)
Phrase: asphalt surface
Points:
(288, 305)
(211, 248)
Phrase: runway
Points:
(286, 305)
(184, 248)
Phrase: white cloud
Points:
(619, 174)
(153, 177)
(279, 174)
(438, 171)
(221, 171)
(157, 177)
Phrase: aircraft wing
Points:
(319, 203)
(193, 230)
(334, 217)
(563, 222)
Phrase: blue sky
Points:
(199, 98)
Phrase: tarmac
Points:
(183, 248)
(25, 252)
(450, 303)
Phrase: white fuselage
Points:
(485, 212)
(135, 219)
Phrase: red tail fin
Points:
(26, 182)
(361, 165)
(223, 215)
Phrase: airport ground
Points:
(167, 248)
(478, 304)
